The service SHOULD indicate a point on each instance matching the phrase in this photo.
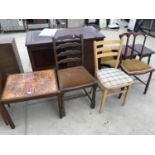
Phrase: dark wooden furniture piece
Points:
(132, 66)
(28, 86)
(72, 74)
(9, 58)
(28, 22)
(1, 86)
(41, 52)
(133, 49)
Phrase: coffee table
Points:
(28, 86)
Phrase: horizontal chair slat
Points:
(97, 43)
(107, 54)
(66, 45)
(69, 60)
(69, 52)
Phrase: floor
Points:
(41, 116)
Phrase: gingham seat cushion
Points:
(111, 77)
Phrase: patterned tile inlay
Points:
(30, 84)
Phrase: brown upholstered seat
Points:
(74, 77)
(135, 66)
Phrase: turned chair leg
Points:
(104, 96)
(6, 116)
(148, 82)
(126, 94)
(93, 96)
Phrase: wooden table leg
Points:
(61, 105)
(148, 82)
(93, 96)
(6, 116)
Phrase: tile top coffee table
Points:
(27, 86)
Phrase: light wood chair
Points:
(110, 79)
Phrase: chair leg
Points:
(8, 105)
(60, 106)
(6, 116)
(104, 96)
(120, 95)
(126, 94)
(4, 119)
(93, 97)
(149, 58)
(148, 82)
(61, 103)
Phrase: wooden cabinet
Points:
(40, 49)
(9, 58)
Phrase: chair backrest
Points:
(68, 51)
(133, 36)
(104, 49)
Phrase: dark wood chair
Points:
(131, 48)
(72, 75)
(132, 66)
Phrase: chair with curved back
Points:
(133, 49)
(71, 73)
(130, 64)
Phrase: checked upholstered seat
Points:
(112, 77)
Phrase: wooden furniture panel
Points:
(9, 58)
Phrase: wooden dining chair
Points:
(110, 79)
(135, 67)
(69, 59)
(132, 48)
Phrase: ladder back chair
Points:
(71, 73)
(110, 79)
(133, 66)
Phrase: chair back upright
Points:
(104, 49)
(68, 51)
(130, 39)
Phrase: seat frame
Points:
(69, 39)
